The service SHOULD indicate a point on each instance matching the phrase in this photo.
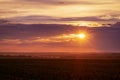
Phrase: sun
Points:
(82, 35)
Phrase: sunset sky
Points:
(93, 12)
(55, 25)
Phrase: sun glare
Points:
(82, 35)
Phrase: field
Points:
(59, 69)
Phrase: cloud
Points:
(116, 25)
(93, 18)
(57, 8)
(68, 2)
(55, 35)
(106, 39)
(54, 39)
(33, 30)
(51, 19)
(8, 13)
(3, 21)
(33, 18)
(10, 41)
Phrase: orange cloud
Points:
(11, 41)
(39, 48)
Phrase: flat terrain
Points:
(59, 69)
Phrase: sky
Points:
(55, 25)
(75, 12)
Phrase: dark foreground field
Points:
(59, 69)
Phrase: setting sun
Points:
(81, 35)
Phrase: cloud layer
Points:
(49, 19)
(60, 36)
(60, 10)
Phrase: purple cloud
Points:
(65, 2)
(103, 38)
(42, 18)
